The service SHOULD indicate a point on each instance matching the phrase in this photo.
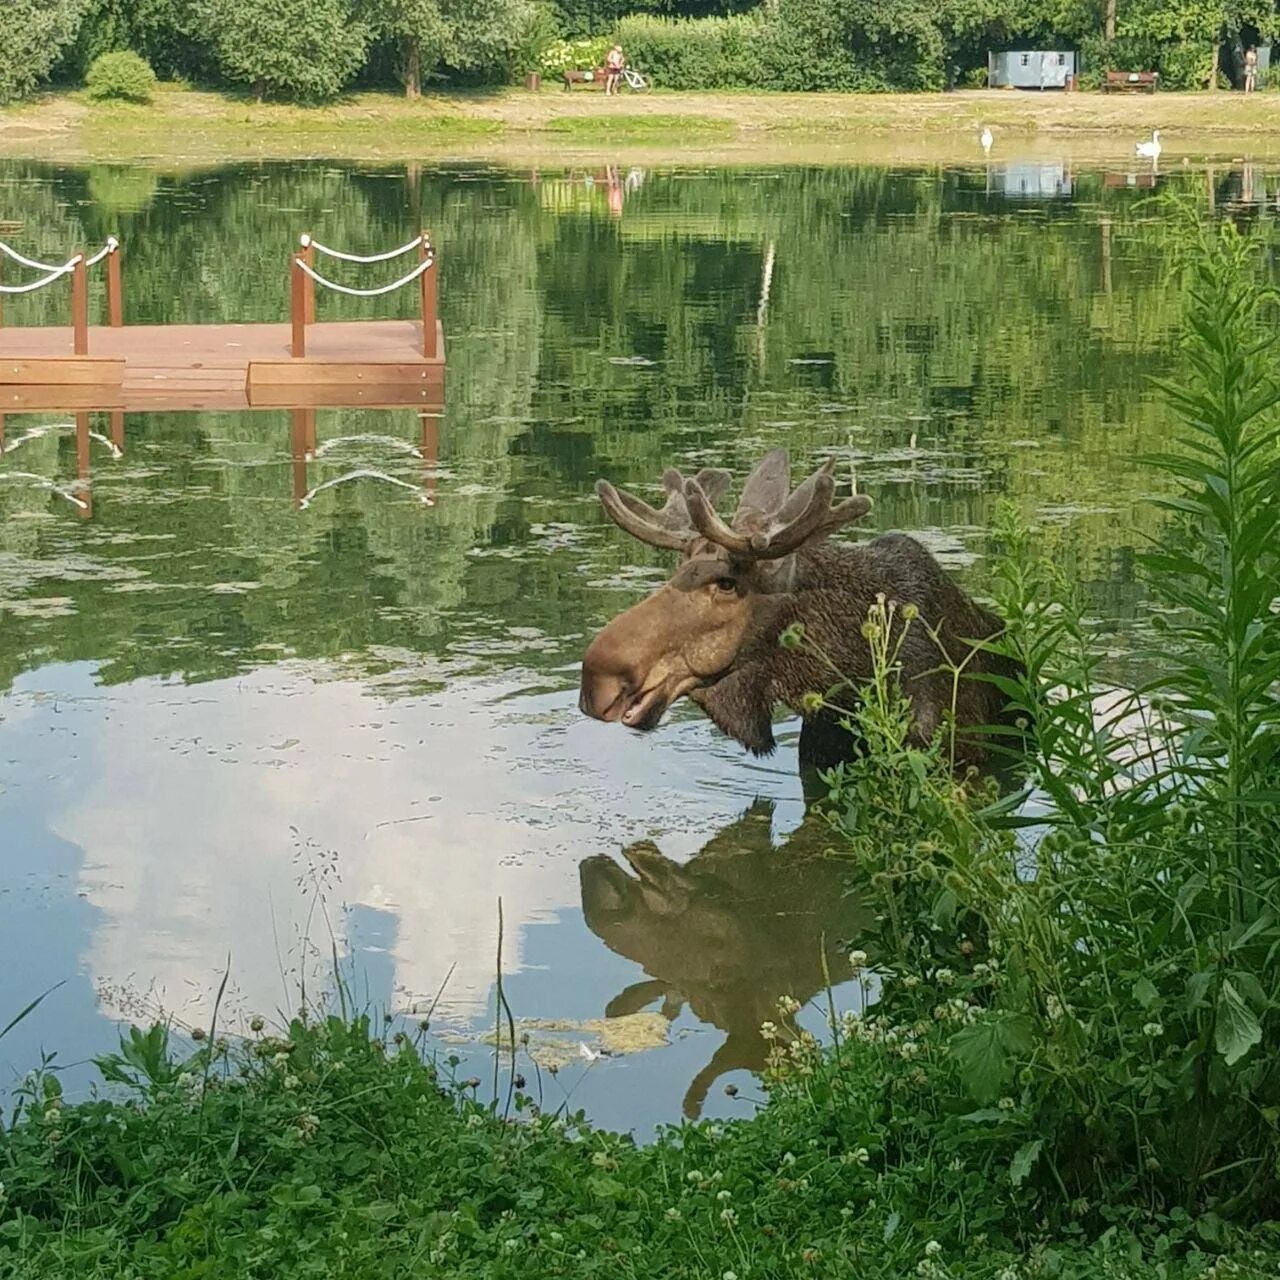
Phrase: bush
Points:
(573, 55)
(309, 50)
(854, 46)
(1104, 1004)
(33, 34)
(120, 75)
(696, 53)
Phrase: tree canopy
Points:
(313, 50)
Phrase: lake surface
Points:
(236, 728)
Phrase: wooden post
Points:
(427, 288)
(117, 428)
(298, 307)
(115, 300)
(80, 308)
(309, 257)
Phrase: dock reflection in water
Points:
(741, 924)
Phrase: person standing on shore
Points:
(1250, 69)
(613, 65)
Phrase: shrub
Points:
(695, 53)
(33, 34)
(1107, 999)
(166, 33)
(862, 46)
(304, 49)
(573, 55)
(120, 75)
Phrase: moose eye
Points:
(726, 584)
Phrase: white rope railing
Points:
(55, 273)
(306, 241)
(309, 270)
(9, 251)
(362, 474)
(110, 247)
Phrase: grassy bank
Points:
(329, 1151)
(187, 126)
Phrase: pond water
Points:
(236, 729)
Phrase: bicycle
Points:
(635, 81)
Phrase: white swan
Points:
(1152, 148)
(985, 138)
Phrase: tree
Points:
(305, 49)
(467, 35)
(1206, 23)
(166, 33)
(33, 34)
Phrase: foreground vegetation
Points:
(1071, 1068)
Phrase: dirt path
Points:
(184, 127)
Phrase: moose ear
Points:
(766, 489)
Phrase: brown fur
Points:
(712, 632)
(834, 591)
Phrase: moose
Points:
(739, 925)
(712, 632)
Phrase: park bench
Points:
(1131, 82)
(593, 78)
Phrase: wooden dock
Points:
(300, 363)
(369, 363)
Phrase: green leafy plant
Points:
(120, 75)
(573, 55)
(33, 34)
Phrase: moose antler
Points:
(670, 527)
(773, 525)
(767, 525)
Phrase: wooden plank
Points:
(426, 397)
(17, 399)
(340, 373)
(78, 371)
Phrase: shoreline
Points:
(191, 128)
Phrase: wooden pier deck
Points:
(136, 368)
(298, 364)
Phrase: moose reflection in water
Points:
(712, 632)
(729, 932)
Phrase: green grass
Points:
(329, 1151)
(604, 128)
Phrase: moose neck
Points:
(834, 589)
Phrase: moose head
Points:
(711, 632)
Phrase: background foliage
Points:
(315, 51)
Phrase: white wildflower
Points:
(1153, 1029)
(857, 961)
(932, 1249)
